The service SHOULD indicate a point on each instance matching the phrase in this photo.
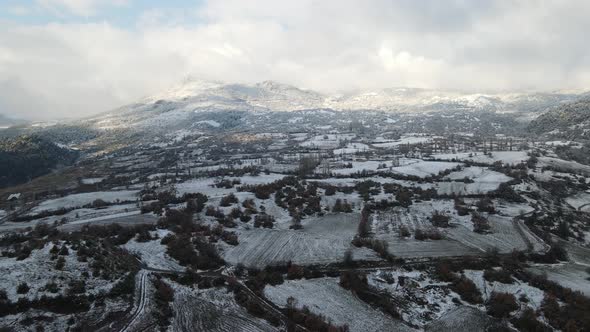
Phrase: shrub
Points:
(22, 288)
(467, 290)
(228, 200)
(500, 305)
(501, 275)
(528, 322)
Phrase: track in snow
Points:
(143, 296)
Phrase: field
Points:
(326, 297)
(507, 157)
(78, 200)
(213, 310)
(569, 275)
(458, 240)
(322, 240)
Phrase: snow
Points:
(507, 157)
(484, 181)
(352, 148)
(570, 275)
(517, 288)
(413, 167)
(326, 297)
(207, 185)
(328, 141)
(422, 298)
(579, 201)
(77, 200)
(322, 240)
(213, 310)
(404, 141)
(563, 165)
(92, 180)
(153, 254)
(210, 123)
(38, 269)
(463, 319)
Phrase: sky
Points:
(73, 58)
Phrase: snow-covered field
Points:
(403, 141)
(324, 296)
(517, 288)
(414, 167)
(564, 165)
(352, 148)
(153, 254)
(213, 310)
(421, 299)
(322, 240)
(506, 157)
(207, 185)
(78, 200)
(570, 275)
(505, 235)
(579, 201)
(38, 270)
(458, 240)
(329, 141)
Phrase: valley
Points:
(270, 208)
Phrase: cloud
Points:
(80, 69)
(79, 7)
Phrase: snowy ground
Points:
(564, 165)
(414, 167)
(78, 200)
(330, 141)
(213, 310)
(421, 299)
(403, 141)
(463, 319)
(38, 269)
(458, 240)
(505, 235)
(207, 185)
(352, 148)
(568, 275)
(322, 240)
(507, 157)
(579, 201)
(484, 181)
(326, 297)
(153, 254)
(517, 288)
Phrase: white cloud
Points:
(79, 7)
(79, 69)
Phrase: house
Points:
(14, 197)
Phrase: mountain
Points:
(193, 96)
(275, 96)
(197, 107)
(6, 121)
(570, 121)
(26, 157)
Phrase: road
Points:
(142, 301)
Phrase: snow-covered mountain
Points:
(196, 95)
(196, 106)
(275, 96)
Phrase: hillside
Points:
(570, 121)
(26, 157)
